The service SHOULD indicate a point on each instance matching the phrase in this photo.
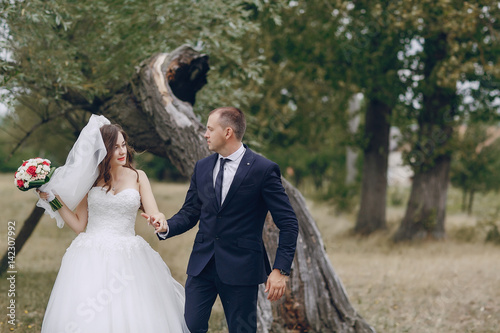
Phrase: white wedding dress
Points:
(111, 280)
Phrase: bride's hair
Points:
(109, 135)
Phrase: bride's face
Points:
(120, 152)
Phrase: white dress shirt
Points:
(230, 168)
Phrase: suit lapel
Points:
(245, 165)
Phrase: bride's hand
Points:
(158, 221)
(43, 195)
(147, 217)
(150, 219)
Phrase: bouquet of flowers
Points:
(34, 173)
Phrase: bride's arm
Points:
(148, 199)
(76, 220)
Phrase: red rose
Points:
(20, 183)
(25, 162)
(31, 170)
(46, 163)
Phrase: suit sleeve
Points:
(189, 214)
(283, 215)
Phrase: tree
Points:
(476, 161)
(369, 41)
(460, 50)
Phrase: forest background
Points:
(334, 91)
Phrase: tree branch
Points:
(33, 128)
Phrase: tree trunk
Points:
(21, 238)
(464, 201)
(371, 215)
(425, 213)
(158, 121)
(471, 202)
(155, 119)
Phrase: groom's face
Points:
(215, 135)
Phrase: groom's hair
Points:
(229, 116)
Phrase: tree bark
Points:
(27, 229)
(471, 202)
(372, 210)
(426, 210)
(463, 208)
(158, 121)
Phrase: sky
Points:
(5, 55)
(3, 107)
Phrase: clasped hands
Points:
(157, 220)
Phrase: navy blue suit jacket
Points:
(233, 232)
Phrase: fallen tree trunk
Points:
(158, 121)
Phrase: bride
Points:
(110, 279)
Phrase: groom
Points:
(230, 194)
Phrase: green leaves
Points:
(63, 59)
(92, 47)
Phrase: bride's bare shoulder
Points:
(136, 173)
(142, 175)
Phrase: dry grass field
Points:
(447, 286)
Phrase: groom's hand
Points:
(161, 227)
(276, 285)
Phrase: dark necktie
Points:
(218, 181)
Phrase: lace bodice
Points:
(109, 213)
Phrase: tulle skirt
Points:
(111, 283)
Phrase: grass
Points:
(446, 286)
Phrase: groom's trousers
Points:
(239, 302)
